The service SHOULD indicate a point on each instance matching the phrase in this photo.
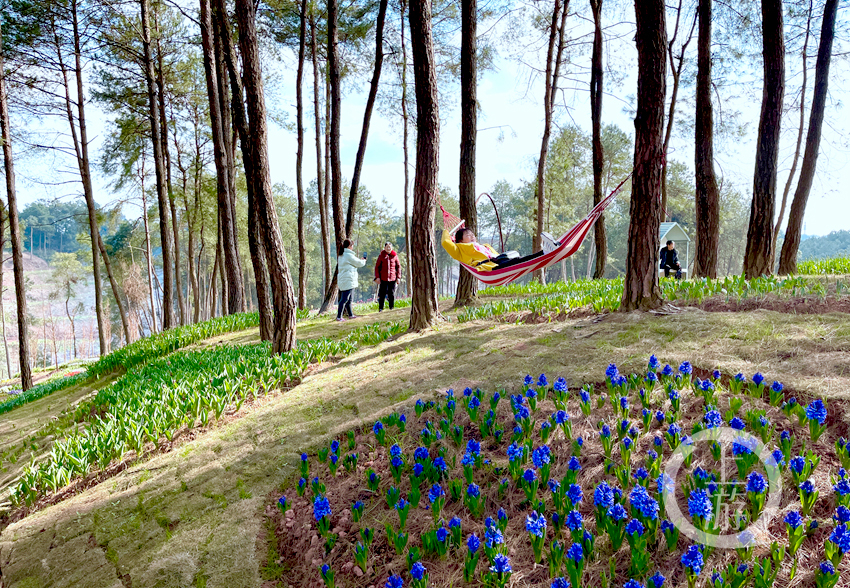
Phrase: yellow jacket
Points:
(470, 254)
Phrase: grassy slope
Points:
(26, 432)
(194, 517)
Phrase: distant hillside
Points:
(31, 262)
(836, 244)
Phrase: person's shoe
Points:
(549, 243)
(354, 316)
(339, 319)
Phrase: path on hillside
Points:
(195, 516)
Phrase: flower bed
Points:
(549, 485)
(173, 394)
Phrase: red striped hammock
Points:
(570, 243)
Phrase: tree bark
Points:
(2, 306)
(788, 258)
(14, 228)
(320, 189)
(334, 84)
(596, 91)
(283, 296)
(641, 290)
(149, 258)
(424, 310)
(556, 40)
(801, 128)
(707, 194)
(367, 116)
(405, 120)
(758, 255)
(676, 71)
(230, 241)
(261, 275)
(81, 149)
(116, 289)
(255, 240)
(467, 285)
(163, 121)
(166, 237)
(299, 156)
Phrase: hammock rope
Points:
(570, 242)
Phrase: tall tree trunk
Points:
(788, 258)
(81, 150)
(641, 290)
(230, 243)
(467, 285)
(757, 256)
(320, 189)
(424, 310)
(367, 116)
(192, 275)
(283, 296)
(261, 276)
(194, 268)
(14, 228)
(149, 258)
(707, 194)
(73, 330)
(116, 289)
(299, 158)
(172, 206)
(405, 119)
(2, 306)
(676, 71)
(800, 129)
(166, 237)
(556, 41)
(596, 91)
(255, 239)
(334, 83)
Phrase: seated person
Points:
(670, 260)
(466, 249)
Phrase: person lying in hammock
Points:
(467, 250)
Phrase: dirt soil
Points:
(196, 516)
(804, 305)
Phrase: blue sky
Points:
(506, 100)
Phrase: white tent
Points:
(674, 232)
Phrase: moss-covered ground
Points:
(196, 516)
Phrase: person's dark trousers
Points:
(668, 269)
(518, 260)
(344, 303)
(386, 291)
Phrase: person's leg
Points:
(341, 299)
(666, 271)
(391, 293)
(382, 294)
(348, 304)
(519, 260)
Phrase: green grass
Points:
(166, 395)
(836, 265)
(605, 295)
(139, 352)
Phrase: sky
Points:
(510, 128)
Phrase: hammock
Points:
(570, 243)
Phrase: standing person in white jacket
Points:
(347, 264)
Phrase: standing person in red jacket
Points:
(387, 270)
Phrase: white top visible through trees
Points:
(348, 264)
